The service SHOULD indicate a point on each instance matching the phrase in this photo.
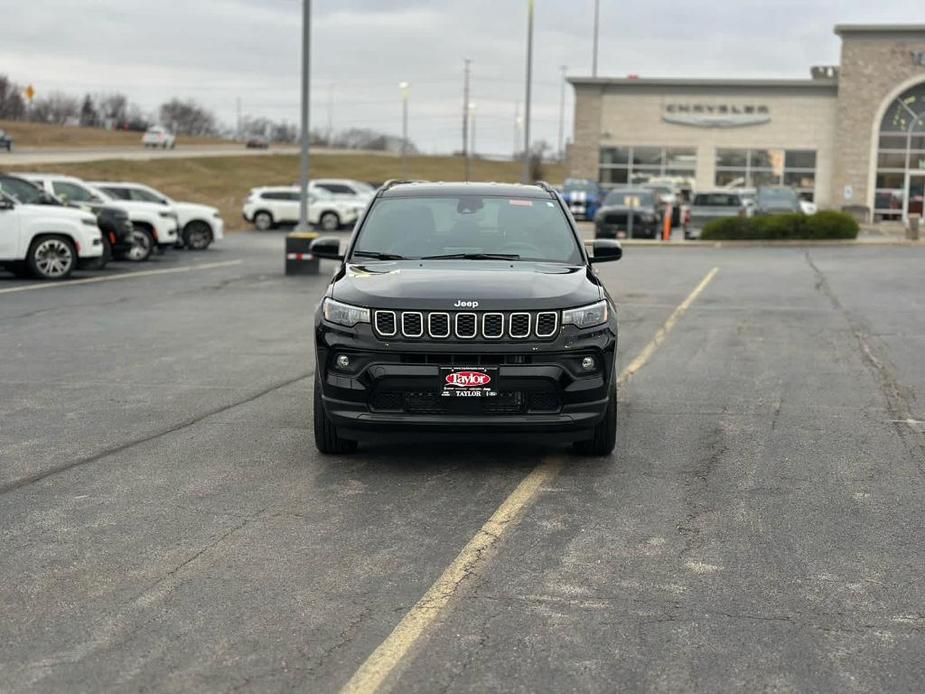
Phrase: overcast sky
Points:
(217, 50)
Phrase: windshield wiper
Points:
(473, 256)
(377, 255)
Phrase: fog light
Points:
(588, 363)
(343, 361)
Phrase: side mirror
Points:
(6, 204)
(606, 250)
(326, 247)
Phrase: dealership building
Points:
(849, 137)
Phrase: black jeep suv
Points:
(466, 310)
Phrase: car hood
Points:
(193, 208)
(70, 214)
(623, 208)
(439, 285)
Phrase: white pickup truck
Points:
(46, 241)
(153, 227)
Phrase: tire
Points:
(142, 245)
(604, 439)
(326, 439)
(263, 220)
(329, 221)
(197, 236)
(52, 258)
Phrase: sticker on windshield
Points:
(522, 203)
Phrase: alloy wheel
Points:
(53, 258)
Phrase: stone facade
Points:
(877, 65)
(837, 113)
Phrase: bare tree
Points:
(12, 105)
(57, 107)
(188, 118)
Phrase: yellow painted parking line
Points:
(123, 276)
(389, 655)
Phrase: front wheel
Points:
(142, 245)
(197, 236)
(263, 221)
(326, 439)
(330, 221)
(604, 439)
(52, 258)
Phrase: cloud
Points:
(219, 50)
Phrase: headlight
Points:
(344, 314)
(89, 221)
(586, 316)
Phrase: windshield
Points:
(777, 195)
(630, 198)
(515, 228)
(26, 193)
(573, 186)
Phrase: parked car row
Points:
(332, 204)
(51, 225)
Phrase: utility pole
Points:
(526, 174)
(238, 112)
(597, 24)
(562, 113)
(306, 85)
(466, 118)
(517, 122)
(330, 113)
(472, 108)
(404, 129)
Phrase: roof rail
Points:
(394, 182)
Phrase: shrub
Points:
(782, 227)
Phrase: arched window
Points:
(901, 157)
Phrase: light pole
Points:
(472, 109)
(306, 84)
(562, 113)
(403, 86)
(465, 124)
(526, 174)
(597, 24)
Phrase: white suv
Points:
(46, 241)
(158, 136)
(200, 225)
(153, 226)
(267, 207)
(343, 188)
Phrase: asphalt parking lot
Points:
(166, 523)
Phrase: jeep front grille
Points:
(466, 325)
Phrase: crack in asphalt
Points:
(71, 464)
(899, 398)
(697, 485)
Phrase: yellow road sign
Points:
(30, 93)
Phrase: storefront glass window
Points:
(620, 165)
(901, 154)
(758, 167)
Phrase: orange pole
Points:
(666, 232)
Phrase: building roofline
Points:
(695, 82)
(879, 29)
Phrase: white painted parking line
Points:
(122, 276)
(377, 668)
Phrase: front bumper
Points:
(395, 387)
